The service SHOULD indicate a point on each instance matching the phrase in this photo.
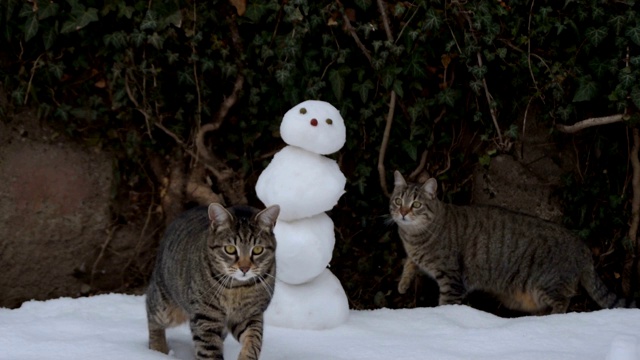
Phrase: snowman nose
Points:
(314, 122)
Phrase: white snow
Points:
(114, 326)
(315, 126)
(301, 182)
(304, 249)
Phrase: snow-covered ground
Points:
(114, 327)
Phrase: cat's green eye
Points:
(230, 249)
(397, 201)
(416, 204)
(257, 250)
(303, 111)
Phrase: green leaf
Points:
(255, 10)
(49, 36)
(634, 34)
(138, 37)
(596, 36)
(587, 90)
(57, 69)
(31, 27)
(87, 17)
(446, 97)
(363, 89)
(476, 86)
(617, 22)
(156, 40)
(282, 76)
(363, 4)
(80, 19)
(627, 78)
(411, 149)
(599, 67)
(47, 9)
(432, 20)
(25, 10)
(397, 87)
(337, 80)
(125, 11)
(149, 22)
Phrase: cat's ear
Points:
(219, 216)
(267, 217)
(431, 188)
(398, 180)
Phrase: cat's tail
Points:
(599, 292)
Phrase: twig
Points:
(635, 204)
(631, 263)
(385, 19)
(33, 73)
(353, 33)
(524, 127)
(185, 147)
(535, 83)
(487, 94)
(509, 44)
(570, 129)
(195, 70)
(110, 232)
(385, 143)
(390, 113)
(421, 165)
(406, 24)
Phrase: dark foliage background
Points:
(198, 89)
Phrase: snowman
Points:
(306, 184)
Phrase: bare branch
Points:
(421, 165)
(353, 33)
(385, 143)
(635, 204)
(631, 263)
(390, 113)
(385, 19)
(487, 94)
(570, 129)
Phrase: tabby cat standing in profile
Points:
(529, 264)
(216, 269)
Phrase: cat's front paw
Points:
(403, 285)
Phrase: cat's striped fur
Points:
(216, 269)
(529, 264)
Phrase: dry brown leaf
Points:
(240, 5)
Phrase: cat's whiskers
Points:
(265, 285)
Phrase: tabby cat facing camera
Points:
(216, 269)
(529, 264)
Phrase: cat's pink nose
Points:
(245, 269)
(404, 211)
(314, 122)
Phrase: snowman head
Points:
(315, 126)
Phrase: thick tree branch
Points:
(570, 129)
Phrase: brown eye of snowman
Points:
(314, 122)
(329, 121)
(303, 111)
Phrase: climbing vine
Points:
(188, 95)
